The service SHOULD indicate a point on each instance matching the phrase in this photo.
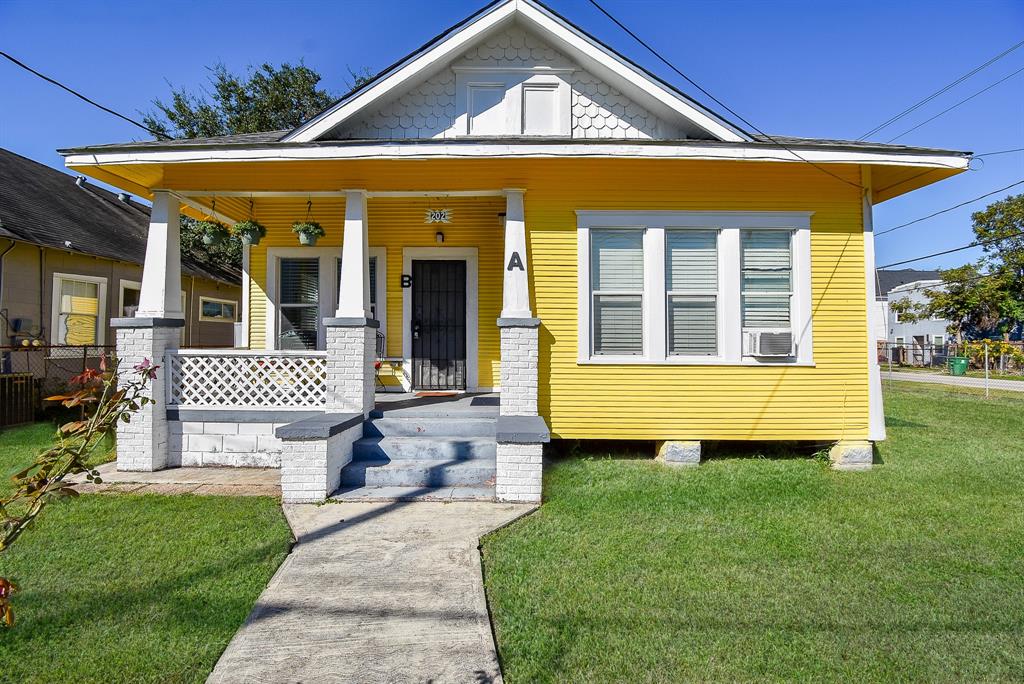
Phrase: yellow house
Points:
(525, 236)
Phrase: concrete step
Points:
(429, 426)
(440, 448)
(418, 473)
(485, 493)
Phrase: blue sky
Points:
(817, 69)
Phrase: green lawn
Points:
(123, 588)
(753, 569)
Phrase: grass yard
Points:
(123, 588)
(750, 569)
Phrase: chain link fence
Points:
(29, 374)
(984, 367)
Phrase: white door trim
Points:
(469, 255)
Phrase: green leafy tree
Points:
(267, 98)
(988, 296)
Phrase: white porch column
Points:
(520, 331)
(876, 426)
(161, 275)
(515, 302)
(142, 444)
(352, 334)
(354, 292)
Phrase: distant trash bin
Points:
(957, 365)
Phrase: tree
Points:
(264, 99)
(988, 296)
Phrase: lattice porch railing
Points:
(246, 379)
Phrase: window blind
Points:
(617, 282)
(691, 272)
(692, 260)
(79, 312)
(299, 287)
(767, 275)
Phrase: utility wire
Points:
(81, 96)
(943, 211)
(992, 154)
(976, 243)
(724, 106)
(942, 90)
(949, 109)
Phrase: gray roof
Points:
(887, 280)
(272, 139)
(44, 206)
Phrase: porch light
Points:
(439, 236)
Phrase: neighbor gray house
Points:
(922, 341)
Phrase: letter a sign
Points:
(515, 261)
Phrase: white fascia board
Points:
(626, 77)
(413, 69)
(611, 150)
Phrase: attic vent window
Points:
(513, 101)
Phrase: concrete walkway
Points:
(212, 481)
(957, 381)
(374, 592)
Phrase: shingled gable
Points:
(516, 35)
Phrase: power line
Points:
(942, 90)
(943, 211)
(724, 106)
(949, 109)
(992, 154)
(81, 96)
(976, 243)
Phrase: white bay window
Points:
(682, 287)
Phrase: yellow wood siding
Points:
(825, 402)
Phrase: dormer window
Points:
(512, 101)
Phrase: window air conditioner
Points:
(776, 343)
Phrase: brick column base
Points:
(351, 353)
(519, 361)
(142, 444)
(520, 472)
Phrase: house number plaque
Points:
(438, 216)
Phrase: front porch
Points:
(313, 400)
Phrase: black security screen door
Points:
(439, 325)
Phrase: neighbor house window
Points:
(128, 303)
(767, 279)
(691, 272)
(220, 310)
(617, 282)
(373, 284)
(78, 309)
(299, 307)
(693, 287)
(938, 340)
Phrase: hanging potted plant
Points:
(249, 232)
(308, 232)
(213, 232)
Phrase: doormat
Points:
(436, 394)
